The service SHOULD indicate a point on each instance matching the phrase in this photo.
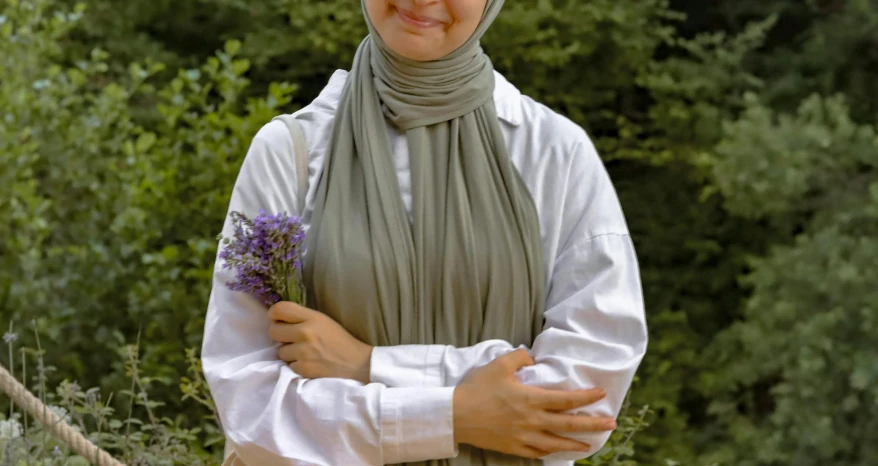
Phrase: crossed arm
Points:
(416, 403)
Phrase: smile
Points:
(417, 21)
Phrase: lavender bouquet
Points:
(266, 254)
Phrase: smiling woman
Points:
(473, 296)
(425, 30)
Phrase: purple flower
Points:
(266, 255)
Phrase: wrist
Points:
(365, 375)
(458, 412)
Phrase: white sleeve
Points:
(272, 416)
(595, 330)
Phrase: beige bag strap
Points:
(300, 151)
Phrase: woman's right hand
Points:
(494, 411)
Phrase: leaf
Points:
(860, 378)
(240, 66)
(144, 142)
(232, 47)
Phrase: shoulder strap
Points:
(300, 152)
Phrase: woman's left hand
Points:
(315, 346)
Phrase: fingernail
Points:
(585, 448)
(610, 425)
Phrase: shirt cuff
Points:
(407, 365)
(417, 425)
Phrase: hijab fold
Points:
(469, 267)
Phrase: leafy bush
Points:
(798, 376)
(135, 442)
(94, 169)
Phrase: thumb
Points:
(289, 312)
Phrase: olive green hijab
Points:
(469, 267)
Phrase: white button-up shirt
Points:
(594, 335)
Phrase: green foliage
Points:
(815, 162)
(619, 450)
(798, 377)
(691, 250)
(156, 441)
(698, 87)
(818, 47)
(101, 243)
(580, 58)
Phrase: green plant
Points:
(619, 450)
(135, 441)
(93, 168)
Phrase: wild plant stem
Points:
(11, 365)
(7, 456)
(41, 368)
(135, 374)
(24, 380)
(130, 415)
(633, 431)
(41, 379)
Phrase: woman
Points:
(450, 221)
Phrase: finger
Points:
(551, 443)
(288, 353)
(564, 400)
(296, 366)
(571, 423)
(283, 332)
(526, 451)
(286, 311)
(306, 369)
(513, 361)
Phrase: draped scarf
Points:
(469, 265)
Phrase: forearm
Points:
(431, 365)
(272, 416)
(594, 336)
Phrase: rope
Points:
(56, 425)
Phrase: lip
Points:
(422, 22)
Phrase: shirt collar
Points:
(507, 98)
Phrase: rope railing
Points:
(54, 423)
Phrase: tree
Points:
(797, 376)
(112, 224)
(817, 47)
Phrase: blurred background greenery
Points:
(740, 135)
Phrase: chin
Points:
(416, 49)
(418, 55)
